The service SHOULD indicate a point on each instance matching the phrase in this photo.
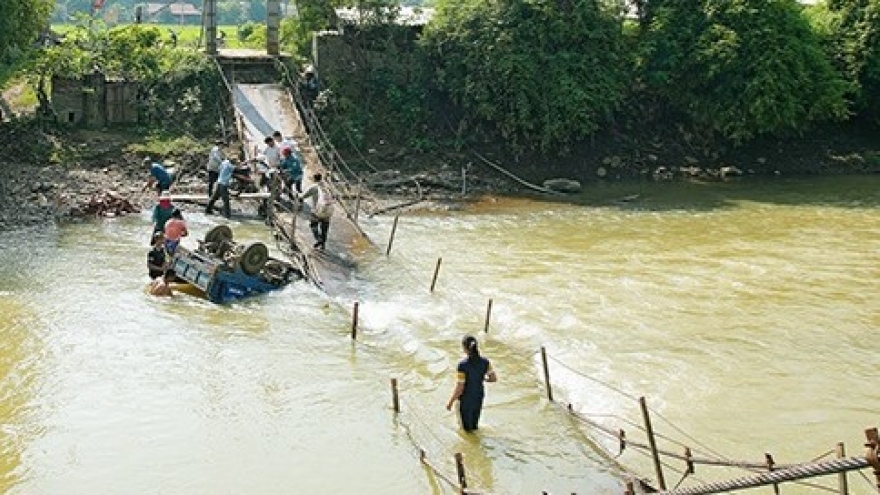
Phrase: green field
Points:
(187, 34)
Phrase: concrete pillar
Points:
(273, 22)
(209, 17)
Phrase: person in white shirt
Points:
(272, 152)
(321, 210)
(215, 157)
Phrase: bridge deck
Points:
(263, 109)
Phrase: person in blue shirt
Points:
(472, 371)
(221, 191)
(293, 171)
(158, 177)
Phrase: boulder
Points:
(563, 185)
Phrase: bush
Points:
(741, 68)
(540, 75)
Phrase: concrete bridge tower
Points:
(273, 24)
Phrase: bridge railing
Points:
(343, 181)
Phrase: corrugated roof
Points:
(176, 8)
(407, 16)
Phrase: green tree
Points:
(311, 16)
(855, 40)
(741, 68)
(541, 73)
(20, 23)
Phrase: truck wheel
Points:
(253, 258)
(219, 234)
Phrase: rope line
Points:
(594, 380)
(792, 473)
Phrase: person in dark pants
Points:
(224, 176)
(159, 177)
(321, 210)
(215, 158)
(469, 391)
(157, 258)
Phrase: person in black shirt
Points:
(157, 258)
(469, 391)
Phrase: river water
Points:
(744, 312)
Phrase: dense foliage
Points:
(852, 31)
(179, 87)
(379, 90)
(537, 75)
(542, 73)
(741, 68)
(20, 23)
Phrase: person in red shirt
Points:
(175, 229)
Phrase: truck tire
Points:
(219, 234)
(253, 258)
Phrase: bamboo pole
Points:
(488, 316)
(354, 321)
(393, 231)
(871, 455)
(463, 181)
(689, 461)
(770, 464)
(395, 399)
(546, 374)
(357, 201)
(436, 273)
(459, 470)
(842, 483)
(652, 442)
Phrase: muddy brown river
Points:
(745, 312)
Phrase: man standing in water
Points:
(161, 286)
(162, 212)
(157, 258)
(469, 391)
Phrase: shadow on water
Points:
(861, 191)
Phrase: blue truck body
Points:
(223, 282)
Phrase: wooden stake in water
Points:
(354, 321)
(395, 399)
(463, 181)
(488, 316)
(770, 466)
(873, 446)
(652, 442)
(393, 231)
(436, 272)
(546, 374)
(459, 470)
(842, 483)
(357, 201)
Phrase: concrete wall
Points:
(94, 102)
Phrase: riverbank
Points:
(80, 175)
(70, 175)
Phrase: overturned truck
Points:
(225, 270)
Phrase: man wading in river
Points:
(162, 285)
